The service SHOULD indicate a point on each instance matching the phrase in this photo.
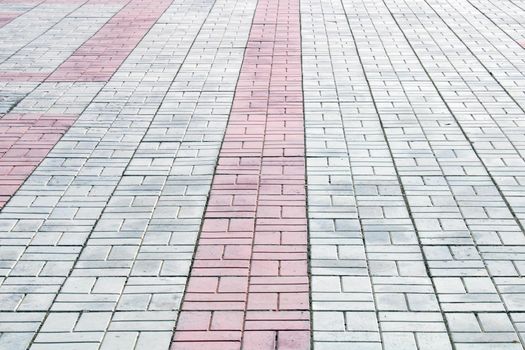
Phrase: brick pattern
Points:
(31, 136)
(30, 63)
(34, 23)
(6, 17)
(506, 16)
(410, 192)
(498, 121)
(99, 57)
(25, 140)
(10, 10)
(101, 258)
(413, 116)
(249, 286)
(7, 76)
(37, 59)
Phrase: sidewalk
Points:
(262, 174)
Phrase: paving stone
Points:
(376, 94)
(95, 154)
(273, 168)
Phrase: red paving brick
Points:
(248, 286)
(414, 117)
(8, 16)
(25, 140)
(23, 76)
(99, 57)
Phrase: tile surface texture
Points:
(262, 174)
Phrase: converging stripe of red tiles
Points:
(7, 17)
(25, 140)
(248, 287)
(99, 57)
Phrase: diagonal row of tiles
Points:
(249, 285)
(131, 177)
(425, 221)
(414, 137)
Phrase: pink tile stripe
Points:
(25, 140)
(23, 76)
(248, 286)
(6, 17)
(99, 57)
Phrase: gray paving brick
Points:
(414, 147)
(428, 187)
(125, 188)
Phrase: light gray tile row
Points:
(487, 115)
(426, 270)
(32, 24)
(36, 43)
(49, 50)
(509, 17)
(370, 288)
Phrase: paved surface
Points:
(262, 174)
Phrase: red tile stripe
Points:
(100, 56)
(248, 286)
(25, 140)
(82, 72)
(7, 17)
(23, 76)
